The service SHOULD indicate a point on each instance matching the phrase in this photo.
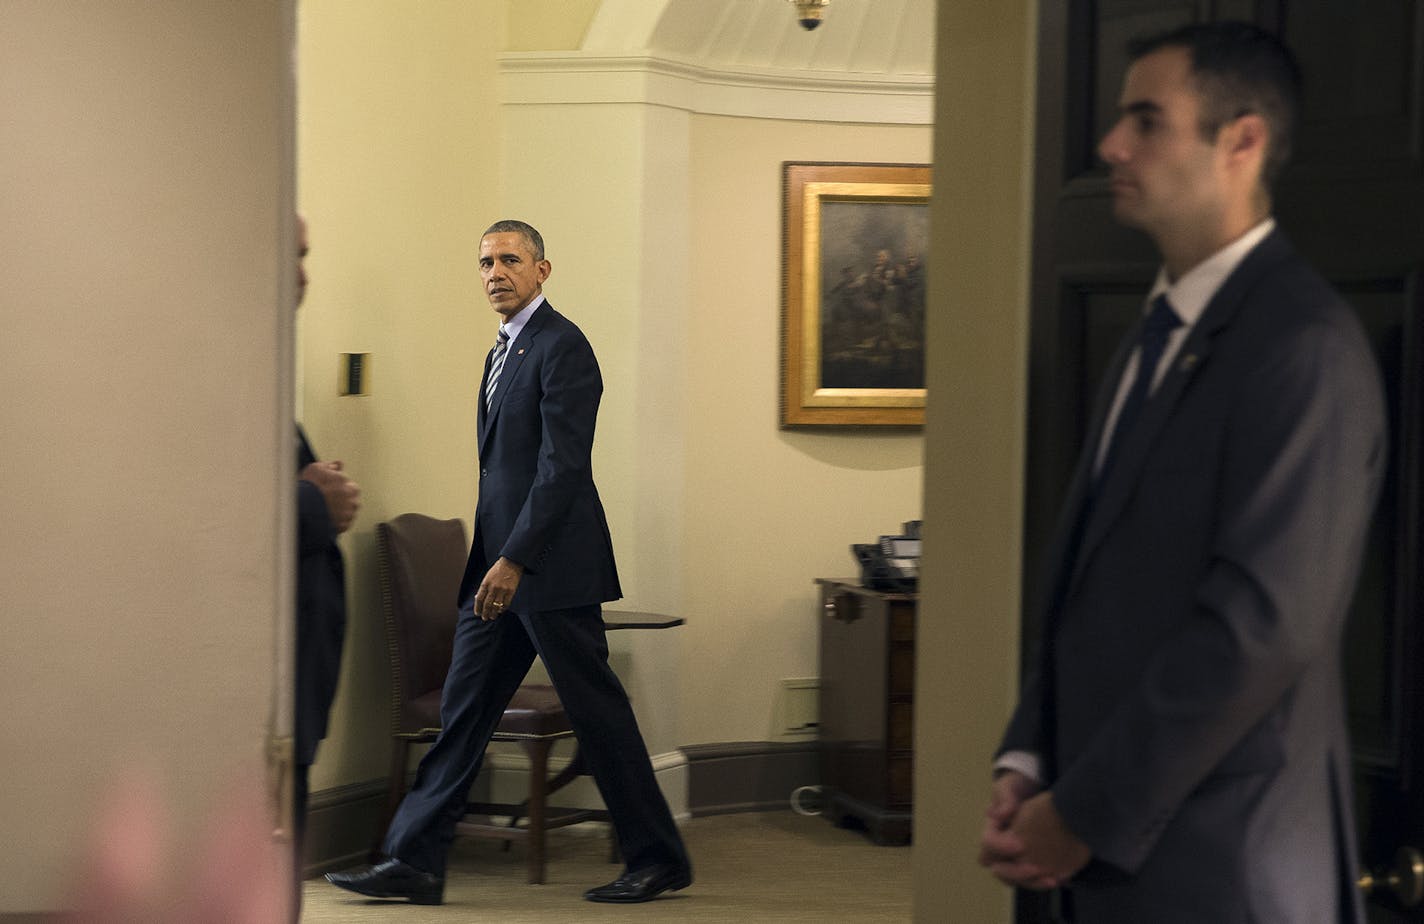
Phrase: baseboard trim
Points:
(342, 820)
(748, 776)
(698, 779)
(341, 825)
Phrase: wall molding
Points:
(576, 78)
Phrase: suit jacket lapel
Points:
(517, 351)
(1132, 454)
(1071, 525)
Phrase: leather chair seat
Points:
(535, 712)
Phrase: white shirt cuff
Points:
(1025, 762)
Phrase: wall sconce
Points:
(809, 12)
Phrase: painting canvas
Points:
(873, 294)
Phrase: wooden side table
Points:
(867, 708)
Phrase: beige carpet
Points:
(775, 866)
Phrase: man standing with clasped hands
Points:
(1179, 755)
(539, 568)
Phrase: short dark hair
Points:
(514, 226)
(1239, 68)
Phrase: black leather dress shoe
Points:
(642, 885)
(392, 879)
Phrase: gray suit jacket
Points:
(1188, 698)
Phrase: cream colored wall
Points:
(978, 345)
(540, 25)
(663, 229)
(766, 511)
(146, 453)
(398, 175)
(664, 232)
(607, 185)
(145, 294)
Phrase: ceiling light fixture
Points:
(809, 12)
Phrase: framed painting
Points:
(854, 240)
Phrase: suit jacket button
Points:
(484, 472)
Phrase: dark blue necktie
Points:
(1160, 323)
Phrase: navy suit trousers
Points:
(490, 661)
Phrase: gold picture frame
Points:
(854, 238)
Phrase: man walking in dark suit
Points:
(1180, 755)
(540, 566)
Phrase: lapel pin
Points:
(1188, 362)
(520, 353)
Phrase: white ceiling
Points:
(890, 38)
(869, 61)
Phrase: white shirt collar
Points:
(1189, 298)
(514, 325)
(1190, 294)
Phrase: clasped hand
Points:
(342, 495)
(1025, 842)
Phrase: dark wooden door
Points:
(1353, 202)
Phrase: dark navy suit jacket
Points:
(1190, 698)
(537, 503)
(321, 611)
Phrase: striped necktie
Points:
(501, 347)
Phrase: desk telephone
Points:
(893, 563)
